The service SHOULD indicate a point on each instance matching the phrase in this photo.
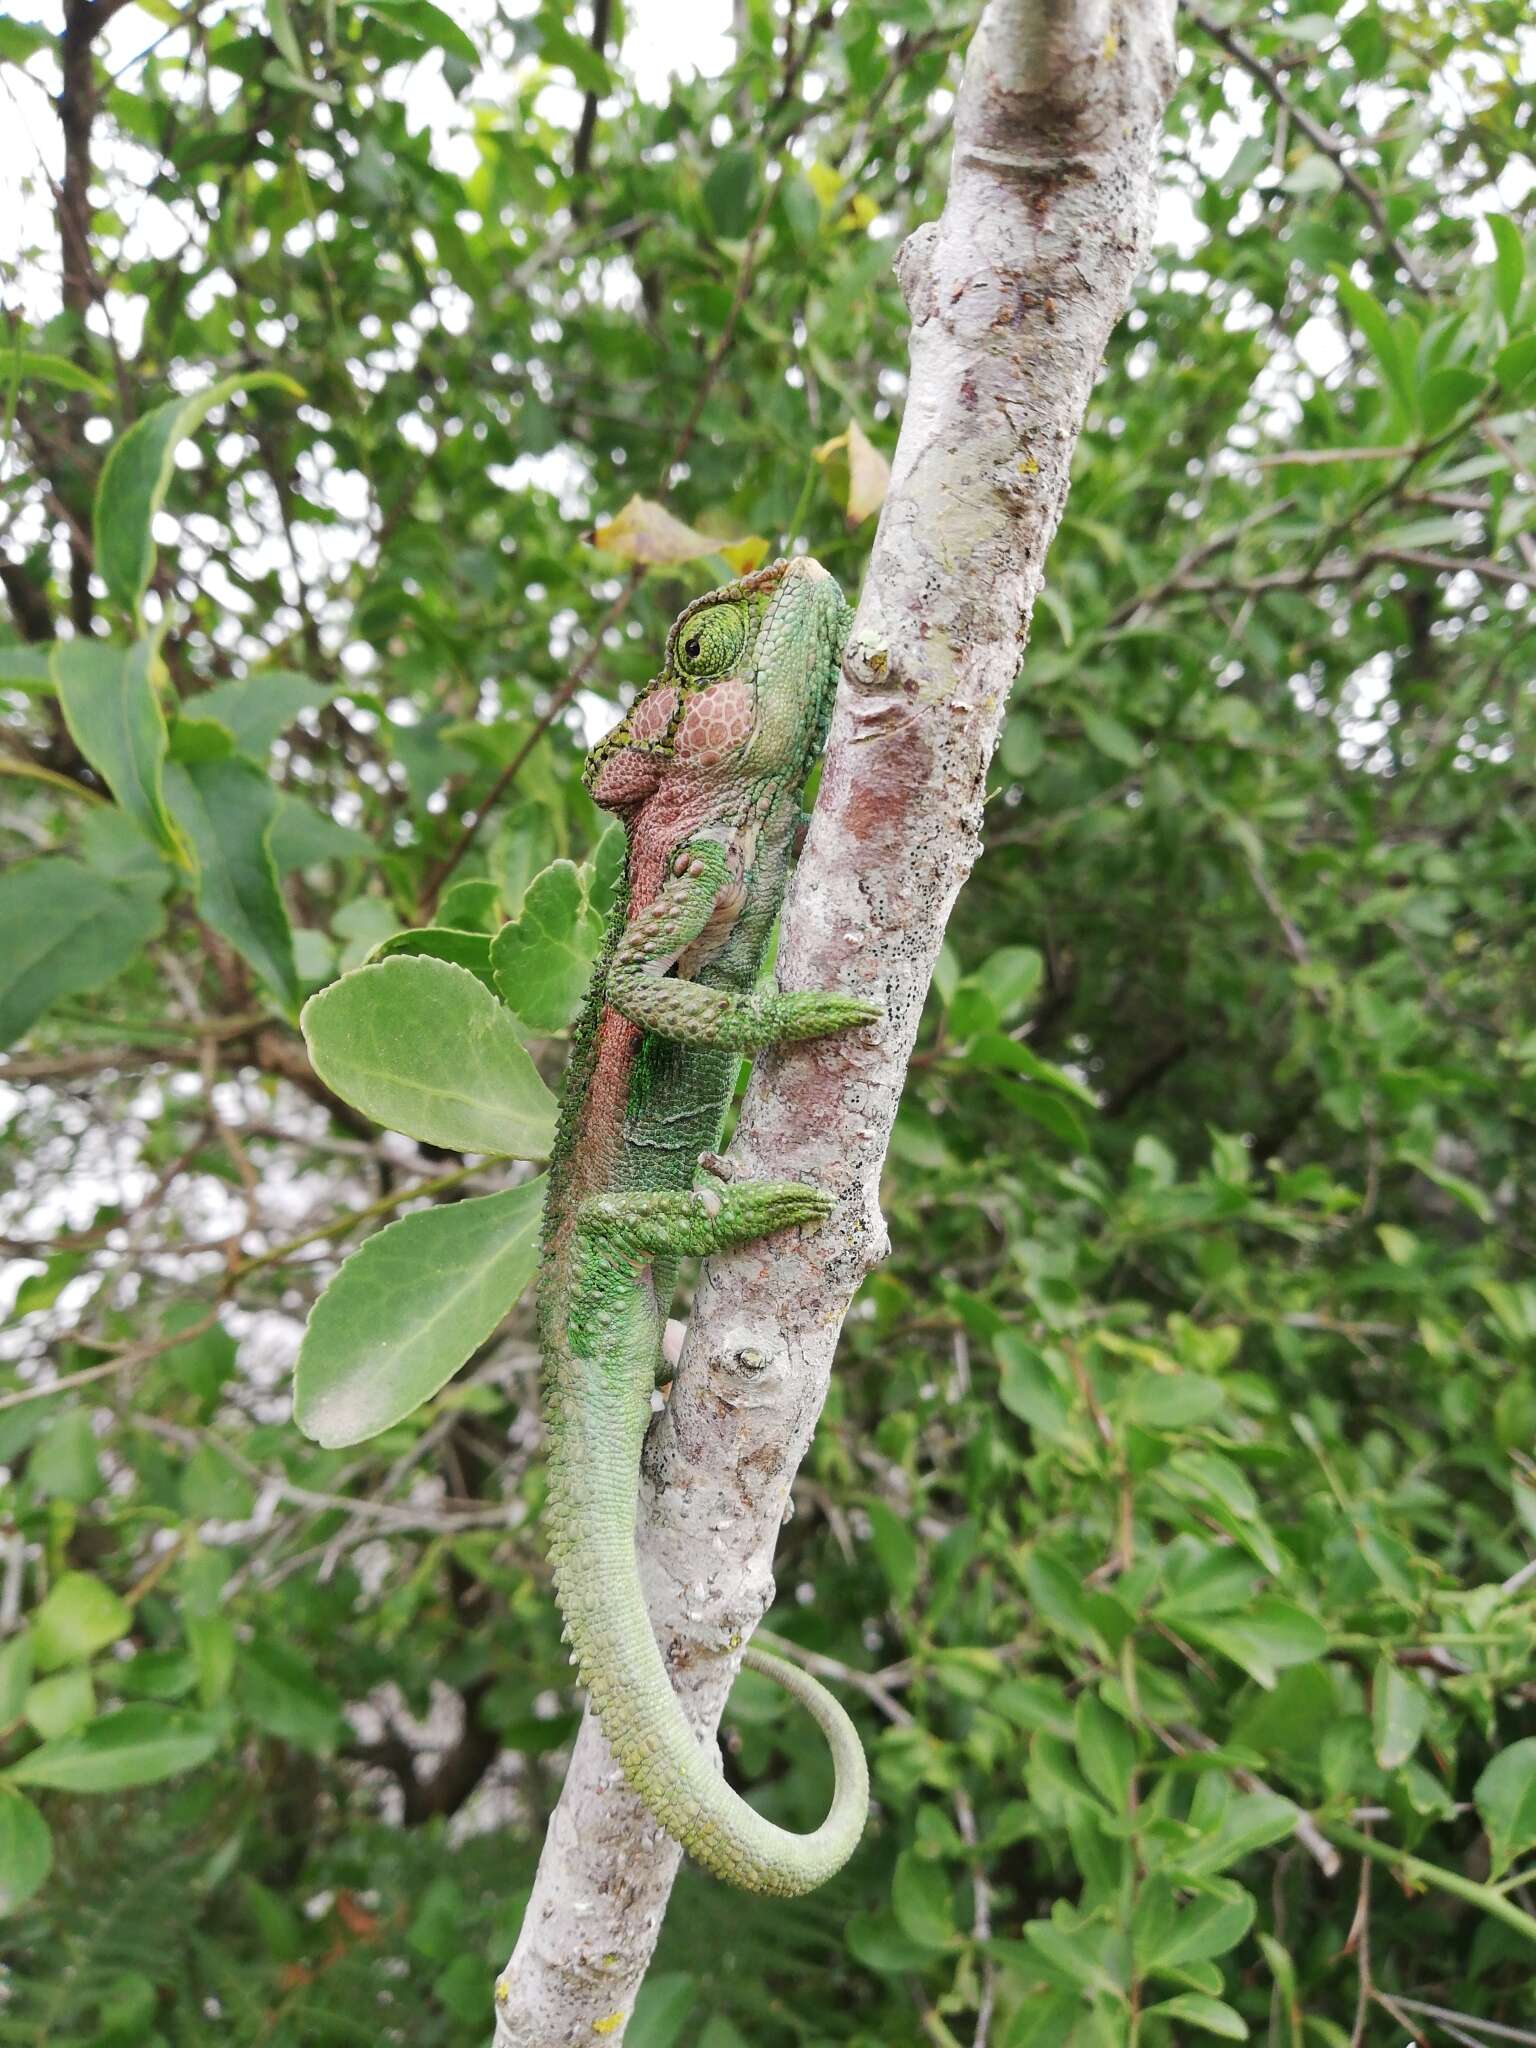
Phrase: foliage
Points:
(1173, 1508)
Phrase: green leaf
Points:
(430, 24)
(20, 40)
(1382, 338)
(226, 808)
(1023, 746)
(1314, 176)
(524, 843)
(1110, 737)
(39, 1291)
(1209, 2014)
(16, 1662)
(1249, 1822)
(26, 1849)
(1446, 392)
(80, 1616)
(1106, 1751)
(1515, 365)
(730, 193)
(136, 1745)
(111, 704)
(894, 1545)
(921, 1902)
(661, 2010)
(558, 46)
(1157, 1400)
(28, 668)
(63, 932)
(408, 1308)
(1465, 1191)
(301, 836)
(282, 1695)
(30, 366)
(257, 708)
(993, 1050)
(1172, 1932)
(59, 1705)
(1011, 976)
(137, 474)
(211, 1640)
(64, 1465)
(1029, 1389)
(878, 1942)
(422, 1048)
(470, 906)
(1264, 1639)
(543, 959)
(1045, 1108)
(1506, 1803)
(1508, 264)
(1399, 1711)
(605, 870)
(470, 950)
(212, 1489)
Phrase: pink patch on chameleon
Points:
(650, 718)
(627, 777)
(717, 721)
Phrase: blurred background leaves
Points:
(1172, 1521)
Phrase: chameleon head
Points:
(744, 693)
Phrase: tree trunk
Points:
(1012, 294)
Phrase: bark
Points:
(1012, 294)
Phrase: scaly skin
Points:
(707, 773)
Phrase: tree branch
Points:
(1321, 138)
(581, 154)
(1013, 295)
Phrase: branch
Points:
(1320, 137)
(581, 154)
(1013, 295)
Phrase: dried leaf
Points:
(646, 532)
(869, 474)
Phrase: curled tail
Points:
(591, 1515)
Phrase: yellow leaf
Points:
(829, 186)
(868, 471)
(745, 555)
(646, 532)
(825, 182)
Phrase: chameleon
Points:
(706, 773)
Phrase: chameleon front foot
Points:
(817, 1013)
(654, 1222)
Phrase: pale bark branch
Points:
(1012, 294)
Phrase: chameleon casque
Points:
(706, 772)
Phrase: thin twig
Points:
(1322, 139)
(135, 1354)
(1445, 2014)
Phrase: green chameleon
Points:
(707, 773)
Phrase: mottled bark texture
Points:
(1012, 294)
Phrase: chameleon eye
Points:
(714, 641)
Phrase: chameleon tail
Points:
(591, 1516)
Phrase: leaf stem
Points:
(1480, 1895)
